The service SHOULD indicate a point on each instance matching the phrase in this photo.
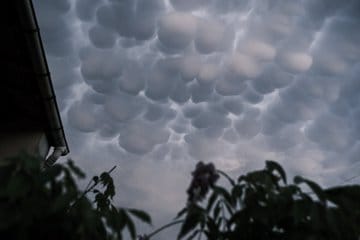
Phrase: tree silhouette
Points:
(47, 204)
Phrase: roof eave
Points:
(56, 132)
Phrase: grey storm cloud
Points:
(190, 67)
(177, 30)
(257, 49)
(208, 119)
(330, 132)
(129, 18)
(64, 77)
(85, 9)
(230, 85)
(132, 80)
(295, 62)
(183, 5)
(101, 69)
(142, 137)
(252, 96)
(161, 80)
(180, 92)
(231, 136)
(248, 124)
(160, 113)
(271, 78)
(208, 73)
(204, 145)
(167, 82)
(341, 35)
(100, 65)
(56, 30)
(213, 36)
(201, 93)
(102, 37)
(93, 97)
(124, 107)
(247, 127)
(233, 105)
(286, 138)
(83, 117)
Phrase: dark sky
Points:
(153, 86)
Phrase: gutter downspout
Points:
(56, 132)
(58, 152)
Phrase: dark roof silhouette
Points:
(27, 98)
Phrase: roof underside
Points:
(23, 100)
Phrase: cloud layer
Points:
(167, 83)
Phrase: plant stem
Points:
(95, 184)
(223, 221)
(232, 182)
(89, 189)
(200, 234)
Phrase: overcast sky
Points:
(153, 86)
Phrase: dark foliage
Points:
(47, 204)
(261, 205)
(204, 176)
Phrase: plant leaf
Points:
(75, 169)
(95, 179)
(222, 191)
(191, 221)
(211, 201)
(194, 234)
(130, 226)
(231, 181)
(348, 197)
(217, 209)
(271, 166)
(236, 194)
(314, 187)
(181, 212)
(145, 217)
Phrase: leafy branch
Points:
(89, 188)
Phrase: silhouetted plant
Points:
(262, 205)
(204, 177)
(47, 204)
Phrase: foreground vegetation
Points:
(47, 204)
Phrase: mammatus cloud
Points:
(142, 137)
(58, 35)
(177, 30)
(83, 117)
(295, 62)
(164, 83)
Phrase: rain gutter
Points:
(55, 133)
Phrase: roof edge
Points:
(56, 132)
